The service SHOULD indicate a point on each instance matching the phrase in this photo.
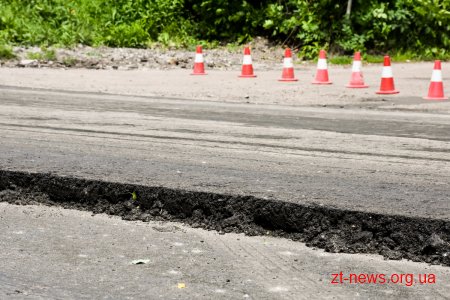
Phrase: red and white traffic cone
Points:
(436, 90)
(322, 69)
(357, 79)
(199, 65)
(288, 67)
(247, 66)
(387, 79)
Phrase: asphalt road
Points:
(390, 162)
(53, 253)
(360, 157)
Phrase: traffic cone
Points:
(322, 69)
(436, 90)
(387, 79)
(247, 67)
(199, 65)
(357, 79)
(288, 67)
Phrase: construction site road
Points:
(386, 162)
(54, 253)
(337, 169)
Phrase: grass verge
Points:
(6, 52)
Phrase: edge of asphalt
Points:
(332, 229)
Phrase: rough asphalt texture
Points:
(366, 154)
(392, 162)
(334, 230)
(54, 253)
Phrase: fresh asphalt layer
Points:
(386, 162)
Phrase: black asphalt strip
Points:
(335, 230)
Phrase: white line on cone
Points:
(387, 72)
(198, 58)
(288, 62)
(436, 76)
(356, 66)
(322, 64)
(247, 60)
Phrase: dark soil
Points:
(394, 237)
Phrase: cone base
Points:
(199, 74)
(247, 76)
(357, 86)
(435, 98)
(387, 92)
(287, 79)
(322, 82)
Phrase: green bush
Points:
(6, 52)
(228, 20)
(376, 26)
(124, 23)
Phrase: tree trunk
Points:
(349, 8)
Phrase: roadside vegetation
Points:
(44, 54)
(6, 52)
(410, 29)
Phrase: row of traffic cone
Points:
(387, 86)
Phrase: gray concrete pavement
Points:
(392, 162)
(52, 253)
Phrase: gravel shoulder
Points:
(105, 58)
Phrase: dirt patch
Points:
(394, 237)
(221, 58)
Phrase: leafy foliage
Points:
(44, 54)
(420, 26)
(6, 52)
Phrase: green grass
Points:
(373, 59)
(185, 23)
(428, 55)
(94, 54)
(347, 60)
(406, 56)
(340, 60)
(69, 61)
(6, 52)
(233, 47)
(44, 54)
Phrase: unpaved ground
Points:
(221, 58)
(52, 253)
(411, 79)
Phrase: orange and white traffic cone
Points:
(436, 90)
(357, 80)
(247, 66)
(288, 67)
(387, 79)
(322, 69)
(199, 65)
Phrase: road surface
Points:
(51, 253)
(391, 162)
(361, 153)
